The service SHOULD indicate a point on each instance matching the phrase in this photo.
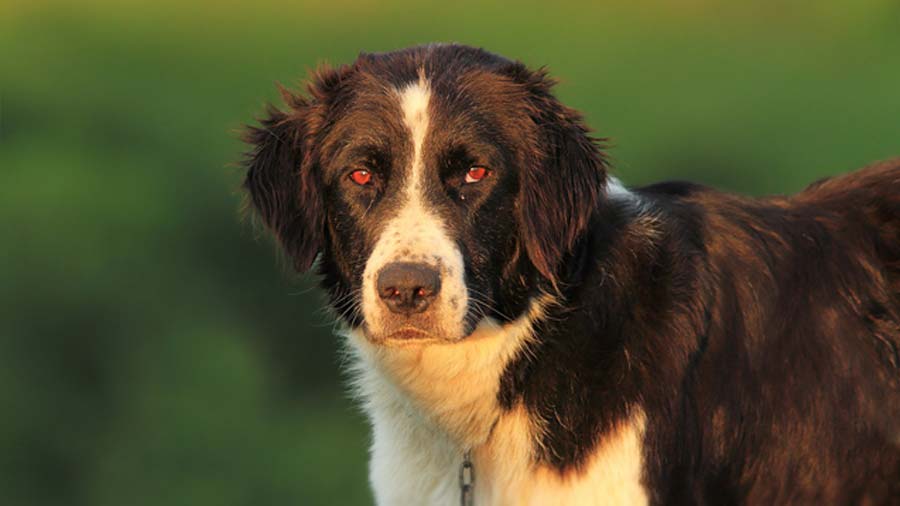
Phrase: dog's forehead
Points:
(459, 104)
(379, 117)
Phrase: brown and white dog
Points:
(505, 298)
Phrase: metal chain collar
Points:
(467, 480)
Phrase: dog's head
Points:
(438, 185)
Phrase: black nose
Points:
(408, 288)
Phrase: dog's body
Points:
(586, 343)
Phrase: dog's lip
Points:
(409, 332)
(407, 335)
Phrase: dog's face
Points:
(440, 186)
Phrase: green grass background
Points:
(152, 348)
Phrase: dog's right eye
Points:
(361, 177)
(476, 174)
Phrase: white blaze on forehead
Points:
(416, 233)
(414, 104)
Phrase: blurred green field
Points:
(153, 349)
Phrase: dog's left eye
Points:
(476, 174)
(361, 177)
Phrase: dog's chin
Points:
(417, 331)
(410, 335)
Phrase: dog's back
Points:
(871, 198)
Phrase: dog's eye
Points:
(361, 177)
(476, 174)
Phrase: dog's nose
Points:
(408, 288)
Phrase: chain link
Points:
(467, 480)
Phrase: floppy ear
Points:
(564, 180)
(281, 182)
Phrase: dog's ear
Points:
(282, 181)
(564, 179)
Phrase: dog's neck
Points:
(450, 388)
(428, 404)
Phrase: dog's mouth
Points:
(408, 335)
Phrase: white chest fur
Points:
(612, 475)
(427, 403)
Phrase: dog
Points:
(527, 331)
